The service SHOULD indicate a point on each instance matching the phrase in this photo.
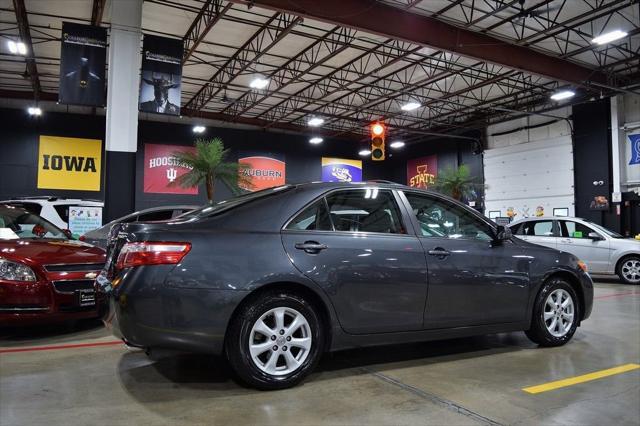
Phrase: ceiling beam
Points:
(388, 21)
(209, 15)
(25, 37)
(97, 10)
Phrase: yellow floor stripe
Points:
(581, 379)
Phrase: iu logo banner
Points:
(69, 163)
(341, 170)
(263, 171)
(422, 172)
(160, 169)
(635, 148)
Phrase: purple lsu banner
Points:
(341, 170)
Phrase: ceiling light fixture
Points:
(396, 144)
(315, 141)
(315, 121)
(22, 48)
(198, 129)
(17, 47)
(411, 105)
(364, 152)
(34, 111)
(609, 37)
(564, 94)
(259, 83)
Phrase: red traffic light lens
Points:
(377, 129)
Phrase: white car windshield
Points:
(604, 230)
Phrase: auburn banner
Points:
(263, 170)
(160, 169)
(341, 170)
(161, 75)
(69, 163)
(82, 62)
(422, 172)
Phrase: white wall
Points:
(530, 167)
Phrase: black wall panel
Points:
(592, 161)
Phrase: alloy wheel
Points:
(280, 341)
(631, 270)
(558, 313)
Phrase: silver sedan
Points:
(605, 252)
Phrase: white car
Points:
(604, 251)
(54, 209)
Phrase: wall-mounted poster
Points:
(599, 202)
(69, 163)
(634, 139)
(82, 63)
(84, 219)
(262, 170)
(422, 172)
(160, 85)
(341, 170)
(160, 170)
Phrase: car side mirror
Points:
(503, 233)
(595, 236)
(68, 233)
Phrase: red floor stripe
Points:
(606, 296)
(52, 348)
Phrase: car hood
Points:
(625, 243)
(51, 251)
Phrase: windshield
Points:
(610, 233)
(211, 209)
(16, 223)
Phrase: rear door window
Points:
(365, 210)
(313, 218)
(541, 228)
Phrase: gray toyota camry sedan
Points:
(275, 278)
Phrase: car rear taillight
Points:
(151, 253)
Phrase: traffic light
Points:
(377, 141)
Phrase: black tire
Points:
(539, 333)
(239, 332)
(621, 264)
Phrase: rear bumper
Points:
(23, 304)
(145, 312)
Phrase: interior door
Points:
(574, 239)
(355, 246)
(472, 279)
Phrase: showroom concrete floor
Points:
(456, 382)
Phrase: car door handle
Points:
(439, 252)
(311, 247)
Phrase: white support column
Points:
(124, 75)
(615, 145)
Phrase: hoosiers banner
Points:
(341, 170)
(82, 62)
(422, 172)
(160, 169)
(69, 163)
(263, 170)
(160, 85)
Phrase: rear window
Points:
(157, 215)
(222, 206)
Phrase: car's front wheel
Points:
(275, 340)
(629, 270)
(555, 314)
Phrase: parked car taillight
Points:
(151, 253)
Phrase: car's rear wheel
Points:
(629, 270)
(556, 314)
(275, 340)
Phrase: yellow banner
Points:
(69, 163)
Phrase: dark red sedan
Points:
(44, 275)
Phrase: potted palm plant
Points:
(457, 183)
(207, 164)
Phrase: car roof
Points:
(54, 200)
(163, 208)
(534, 218)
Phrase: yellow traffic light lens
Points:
(377, 129)
(377, 142)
